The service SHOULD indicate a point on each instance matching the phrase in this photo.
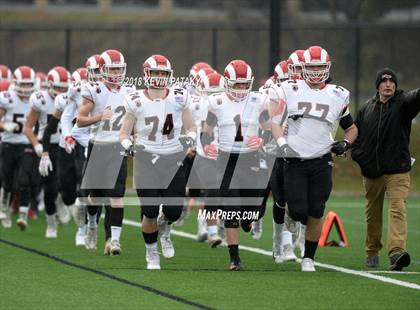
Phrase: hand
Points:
(45, 165)
(340, 147)
(10, 127)
(255, 142)
(211, 151)
(186, 141)
(285, 151)
(128, 147)
(191, 152)
(106, 114)
(38, 149)
(69, 144)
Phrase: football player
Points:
(313, 110)
(238, 114)
(17, 153)
(158, 114)
(42, 108)
(102, 111)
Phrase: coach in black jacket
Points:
(382, 152)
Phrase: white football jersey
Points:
(69, 114)
(312, 115)
(16, 112)
(159, 121)
(104, 97)
(237, 121)
(42, 102)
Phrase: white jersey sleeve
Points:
(277, 100)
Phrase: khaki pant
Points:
(396, 187)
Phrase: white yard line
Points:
(394, 272)
(327, 266)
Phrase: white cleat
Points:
(91, 239)
(115, 248)
(63, 213)
(152, 259)
(51, 232)
(288, 254)
(256, 230)
(74, 209)
(107, 249)
(202, 231)
(168, 250)
(7, 221)
(214, 241)
(308, 265)
(290, 224)
(22, 223)
(80, 238)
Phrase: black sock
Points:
(117, 215)
(107, 222)
(278, 214)
(310, 249)
(234, 253)
(150, 237)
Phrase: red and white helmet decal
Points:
(92, 66)
(58, 79)
(79, 75)
(112, 67)
(295, 64)
(157, 72)
(281, 72)
(316, 65)
(24, 81)
(239, 78)
(5, 73)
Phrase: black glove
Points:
(340, 147)
(186, 142)
(285, 151)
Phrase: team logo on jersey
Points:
(219, 101)
(294, 87)
(253, 99)
(179, 99)
(138, 103)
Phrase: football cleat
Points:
(256, 230)
(214, 240)
(80, 237)
(51, 232)
(22, 223)
(277, 252)
(202, 231)
(115, 248)
(308, 265)
(107, 249)
(235, 266)
(300, 241)
(152, 258)
(399, 261)
(63, 213)
(168, 250)
(91, 238)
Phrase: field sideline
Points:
(49, 274)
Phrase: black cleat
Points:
(372, 261)
(235, 266)
(399, 261)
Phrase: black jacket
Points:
(384, 134)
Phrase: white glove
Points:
(10, 127)
(45, 165)
(69, 144)
(126, 144)
(38, 149)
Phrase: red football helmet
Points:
(197, 67)
(281, 72)
(92, 66)
(58, 80)
(79, 75)
(5, 73)
(316, 65)
(4, 85)
(152, 67)
(295, 64)
(112, 67)
(24, 81)
(211, 83)
(238, 73)
(41, 80)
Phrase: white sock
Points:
(23, 213)
(52, 220)
(115, 233)
(151, 246)
(277, 230)
(212, 230)
(92, 221)
(286, 238)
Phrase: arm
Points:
(83, 119)
(50, 130)
(188, 122)
(67, 118)
(2, 113)
(128, 122)
(31, 120)
(412, 103)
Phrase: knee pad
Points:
(231, 224)
(151, 212)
